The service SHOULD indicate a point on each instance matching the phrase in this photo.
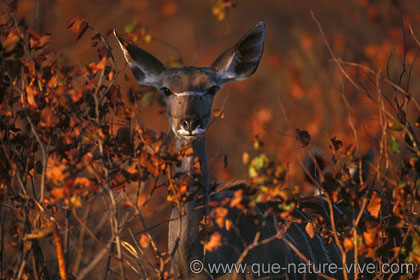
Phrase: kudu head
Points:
(189, 91)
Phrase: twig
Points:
(60, 255)
(302, 256)
(79, 254)
(251, 246)
(108, 187)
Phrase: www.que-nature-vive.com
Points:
(259, 269)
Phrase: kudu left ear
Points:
(145, 67)
(240, 61)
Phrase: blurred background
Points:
(297, 85)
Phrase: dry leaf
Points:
(348, 244)
(369, 238)
(144, 241)
(303, 136)
(30, 95)
(374, 205)
(78, 26)
(189, 152)
(245, 158)
(57, 193)
(310, 230)
(214, 242)
(47, 118)
(11, 42)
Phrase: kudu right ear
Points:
(145, 67)
(241, 61)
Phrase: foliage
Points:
(83, 183)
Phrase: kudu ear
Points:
(240, 61)
(145, 67)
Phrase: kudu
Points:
(189, 94)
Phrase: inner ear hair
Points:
(145, 67)
(241, 61)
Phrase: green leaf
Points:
(393, 145)
(130, 27)
(252, 173)
(260, 162)
(396, 126)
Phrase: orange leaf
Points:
(310, 230)
(245, 158)
(47, 118)
(214, 242)
(369, 238)
(182, 190)
(189, 151)
(348, 244)
(82, 182)
(57, 193)
(11, 42)
(30, 95)
(97, 67)
(144, 241)
(78, 26)
(220, 214)
(236, 200)
(374, 205)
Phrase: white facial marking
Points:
(195, 132)
(189, 93)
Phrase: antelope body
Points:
(189, 93)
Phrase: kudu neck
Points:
(187, 166)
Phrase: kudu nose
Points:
(189, 124)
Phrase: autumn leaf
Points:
(189, 151)
(236, 200)
(83, 182)
(245, 158)
(76, 201)
(144, 241)
(183, 190)
(303, 136)
(374, 205)
(98, 67)
(57, 193)
(78, 26)
(310, 230)
(369, 238)
(48, 119)
(55, 169)
(75, 95)
(11, 42)
(348, 244)
(31, 92)
(220, 214)
(214, 242)
(36, 41)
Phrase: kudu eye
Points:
(166, 91)
(212, 90)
